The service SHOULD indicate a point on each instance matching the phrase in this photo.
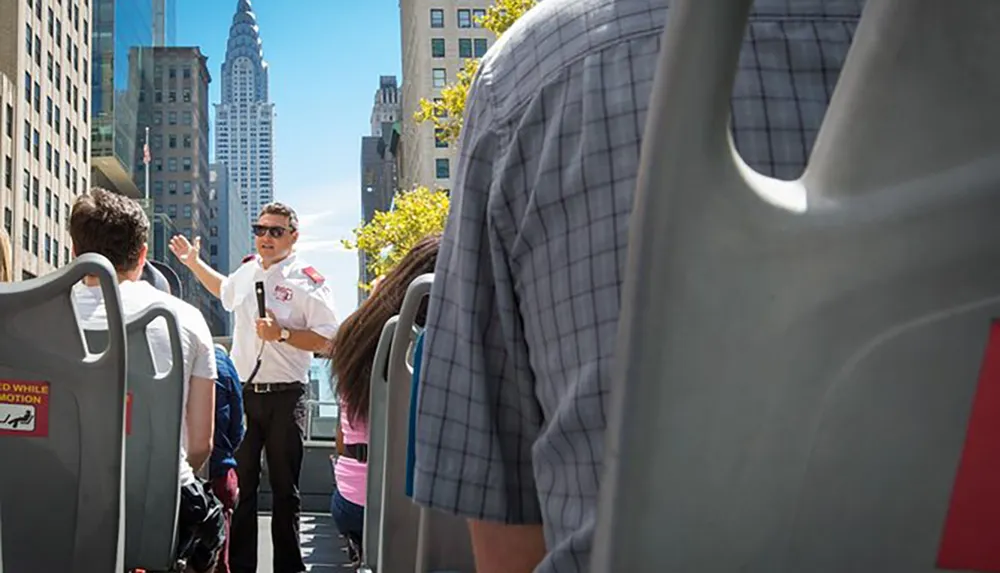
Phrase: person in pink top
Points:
(352, 352)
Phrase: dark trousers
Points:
(275, 424)
(226, 488)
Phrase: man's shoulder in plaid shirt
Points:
(524, 310)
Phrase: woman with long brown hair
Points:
(6, 258)
(352, 352)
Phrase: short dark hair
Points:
(283, 210)
(111, 225)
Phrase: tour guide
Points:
(272, 356)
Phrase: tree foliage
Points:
(387, 238)
(446, 113)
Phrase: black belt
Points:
(270, 387)
(357, 451)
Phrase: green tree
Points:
(446, 114)
(391, 234)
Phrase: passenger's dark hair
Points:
(277, 208)
(352, 349)
(111, 225)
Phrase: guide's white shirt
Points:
(196, 339)
(298, 303)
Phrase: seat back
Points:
(807, 372)
(442, 541)
(377, 412)
(152, 444)
(401, 517)
(62, 422)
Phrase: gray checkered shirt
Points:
(524, 310)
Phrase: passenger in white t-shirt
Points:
(116, 227)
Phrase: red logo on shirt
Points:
(282, 293)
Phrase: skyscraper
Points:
(438, 36)
(173, 103)
(121, 48)
(379, 165)
(44, 159)
(244, 120)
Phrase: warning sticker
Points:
(24, 408)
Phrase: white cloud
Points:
(328, 214)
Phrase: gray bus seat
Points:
(377, 411)
(805, 377)
(61, 480)
(400, 516)
(442, 542)
(152, 444)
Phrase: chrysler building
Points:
(244, 120)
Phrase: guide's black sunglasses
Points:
(276, 232)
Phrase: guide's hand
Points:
(184, 250)
(268, 328)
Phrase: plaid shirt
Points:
(524, 311)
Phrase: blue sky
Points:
(325, 58)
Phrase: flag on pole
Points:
(145, 152)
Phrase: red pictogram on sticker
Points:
(24, 408)
(128, 413)
(971, 537)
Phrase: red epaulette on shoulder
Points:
(247, 259)
(313, 275)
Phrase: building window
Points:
(437, 18)
(9, 121)
(172, 118)
(27, 38)
(48, 202)
(172, 187)
(465, 47)
(172, 164)
(437, 47)
(8, 175)
(442, 168)
(34, 239)
(27, 186)
(477, 17)
(65, 255)
(481, 47)
(464, 18)
(187, 211)
(171, 210)
(187, 142)
(8, 220)
(27, 87)
(186, 96)
(35, 191)
(48, 248)
(440, 77)
(187, 187)
(158, 188)
(186, 163)
(172, 142)
(56, 210)
(25, 235)
(439, 140)
(48, 157)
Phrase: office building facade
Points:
(122, 52)
(230, 231)
(45, 68)
(244, 119)
(438, 37)
(173, 105)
